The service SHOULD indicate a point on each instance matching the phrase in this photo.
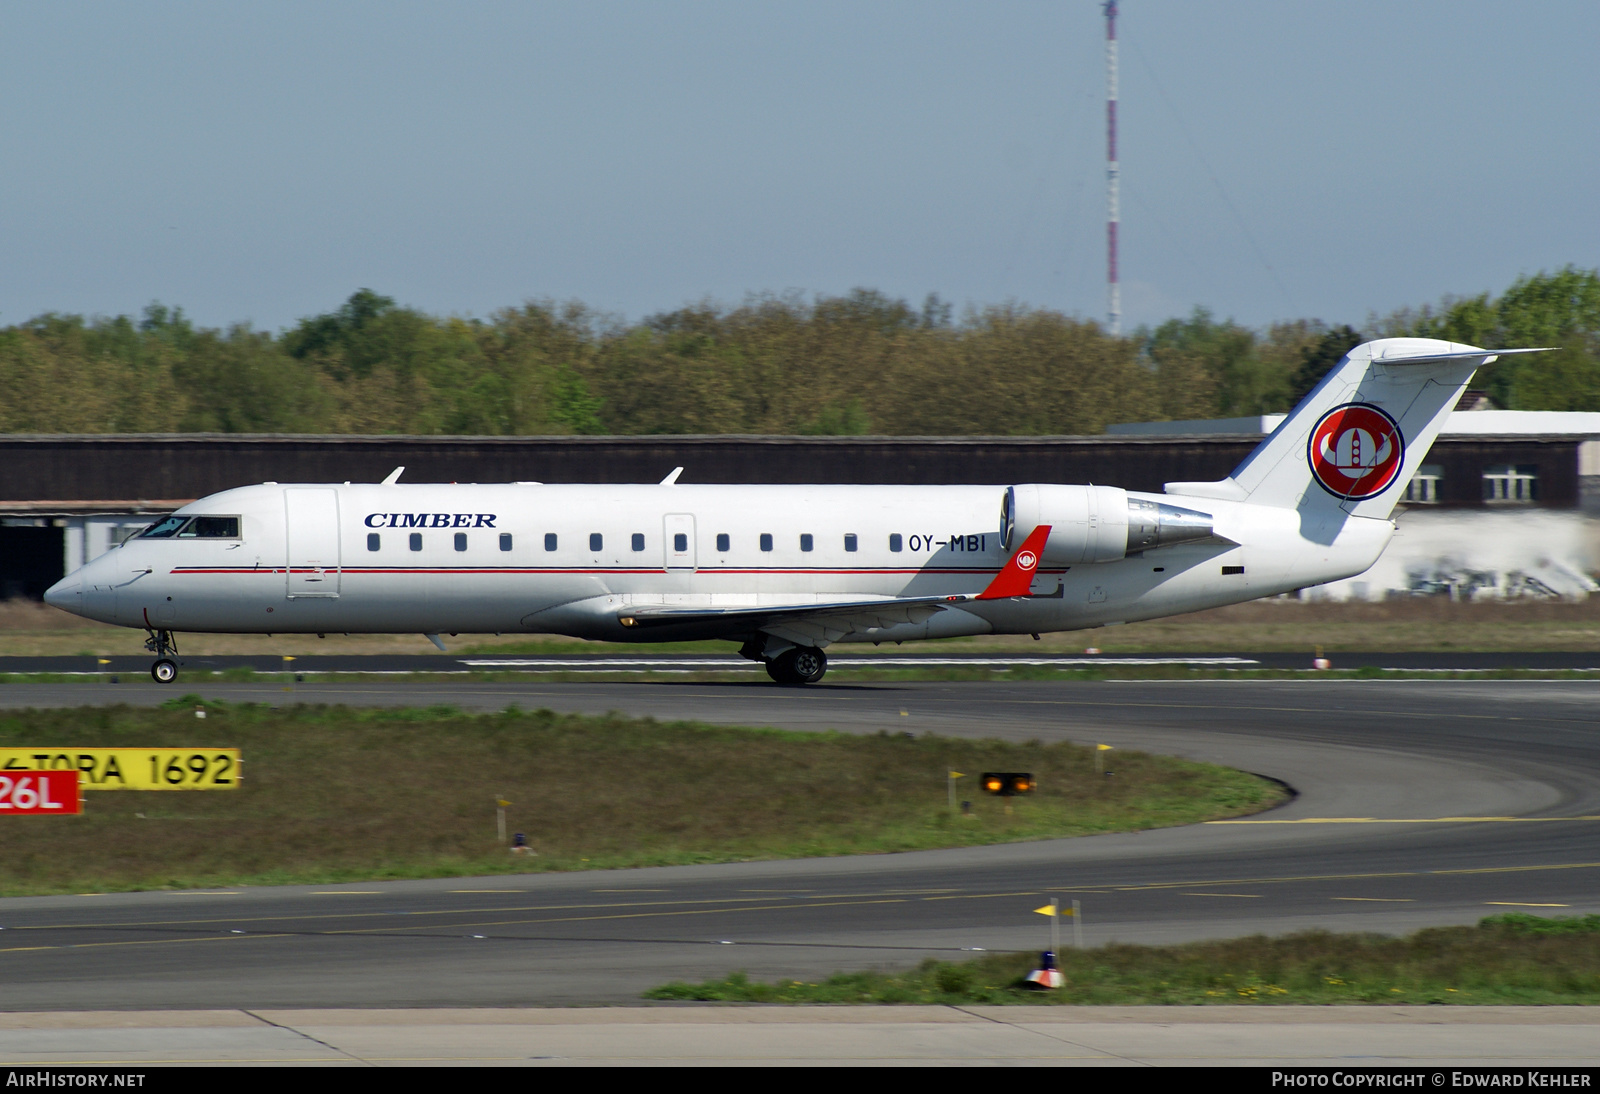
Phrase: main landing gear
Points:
(800, 665)
(164, 644)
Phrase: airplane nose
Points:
(66, 594)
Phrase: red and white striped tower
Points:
(1113, 214)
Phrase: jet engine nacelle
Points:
(1095, 523)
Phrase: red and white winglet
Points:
(1016, 576)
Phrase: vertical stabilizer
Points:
(1357, 439)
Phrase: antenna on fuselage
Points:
(394, 477)
(672, 479)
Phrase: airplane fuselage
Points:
(573, 560)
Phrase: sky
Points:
(1280, 159)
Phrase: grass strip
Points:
(1506, 959)
(334, 793)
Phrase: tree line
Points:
(859, 363)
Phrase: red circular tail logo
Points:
(1356, 451)
(1027, 560)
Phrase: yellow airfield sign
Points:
(134, 768)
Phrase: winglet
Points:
(1016, 576)
(672, 479)
(394, 477)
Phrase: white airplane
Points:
(788, 570)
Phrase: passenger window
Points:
(505, 541)
(374, 541)
(549, 541)
(680, 542)
(766, 541)
(597, 542)
(850, 541)
(416, 541)
(805, 541)
(895, 542)
(638, 541)
(722, 541)
(461, 541)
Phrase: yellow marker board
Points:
(134, 768)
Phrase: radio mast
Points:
(1113, 289)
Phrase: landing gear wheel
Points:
(164, 671)
(801, 665)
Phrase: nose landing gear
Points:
(164, 644)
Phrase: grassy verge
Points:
(332, 793)
(1508, 959)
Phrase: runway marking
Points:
(610, 890)
(1357, 877)
(1523, 904)
(1242, 896)
(842, 902)
(1450, 716)
(203, 892)
(1411, 820)
(143, 942)
(463, 891)
(394, 930)
(309, 916)
(346, 892)
(1378, 899)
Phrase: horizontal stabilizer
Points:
(1487, 356)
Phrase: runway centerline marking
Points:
(1523, 904)
(1241, 896)
(154, 924)
(1378, 899)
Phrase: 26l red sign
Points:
(40, 793)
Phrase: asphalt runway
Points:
(1419, 803)
(645, 660)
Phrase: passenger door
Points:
(312, 526)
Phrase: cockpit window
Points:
(211, 528)
(186, 527)
(165, 529)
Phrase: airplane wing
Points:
(805, 624)
(822, 623)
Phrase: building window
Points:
(896, 544)
(549, 541)
(850, 541)
(597, 542)
(638, 541)
(766, 541)
(1511, 484)
(805, 541)
(722, 542)
(505, 541)
(416, 541)
(1423, 489)
(374, 541)
(461, 541)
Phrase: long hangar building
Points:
(67, 499)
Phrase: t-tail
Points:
(1357, 439)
